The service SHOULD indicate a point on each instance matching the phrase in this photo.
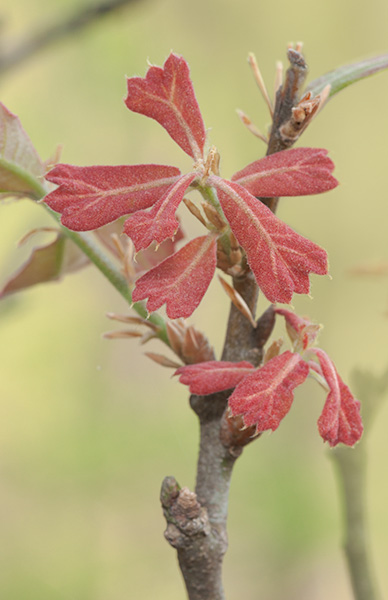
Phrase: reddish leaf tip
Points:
(166, 94)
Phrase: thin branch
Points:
(351, 468)
(221, 438)
(54, 32)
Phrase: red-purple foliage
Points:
(159, 223)
(295, 172)
(173, 281)
(340, 420)
(167, 95)
(281, 260)
(264, 396)
(213, 376)
(89, 197)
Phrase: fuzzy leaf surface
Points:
(167, 95)
(46, 263)
(213, 376)
(156, 253)
(90, 197)
(21, 169)
(181, 280)
(347, 74)
(159, 223)
(294, 172)
(340, 421)
(280, 258)
(265, 397)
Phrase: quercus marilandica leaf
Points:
(280, 258)
(181, 280)
(46, 263)
(294, 172)
(155, 253)
(21, 169)
(265, 397)
(340, 421)
(213, 376)
(302, 331)
(90, 197)
(166, 94)
(347, 74)
(159, 223)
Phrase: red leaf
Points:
(265, 397)
(155, 253)
(89, 197)
(295, 172)
(340, 420)
(167, 95)
(213, 376)
(181, 280)
(302, 331)
(280, 259)
(159, 223)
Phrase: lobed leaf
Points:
(90, 197)
(46, 263)
(159, 223)
(340, 421)
(21, 169)
(280, 259)
(294, 172)
(167, 95)
(265, 397)
(213, 376)
(181, 280)
(155, 253)
(346, 75)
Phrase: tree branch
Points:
(222, 437)
(54, 32)
(351, 467)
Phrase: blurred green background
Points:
(90, 427)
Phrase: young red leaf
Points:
(181, 280)
(167, 95)
(159, 223)
(155, 253)
(89, 197)
(265, 397)
(280, 259)
(294, 172)
(46, 263)
(340, 421)
(21, 169)
(213, 376)
(302, 332)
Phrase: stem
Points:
(351, 471)
(86, 243)
(221, 441)
(210, 195)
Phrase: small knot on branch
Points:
(185, 516)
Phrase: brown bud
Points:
(233, 433)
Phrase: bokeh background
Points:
(89, 427)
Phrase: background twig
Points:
(39, 40)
